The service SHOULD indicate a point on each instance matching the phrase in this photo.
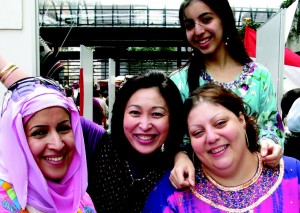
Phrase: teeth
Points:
(145, 137)
(218, 149)
(203, 41)
(55, 159)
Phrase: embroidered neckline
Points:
(248, 69)
(242, 198)
(241, 186)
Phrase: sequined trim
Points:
(248, 69)
(241, 199)
(242, 186)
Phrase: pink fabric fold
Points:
(29, 183)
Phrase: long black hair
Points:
(234, 45)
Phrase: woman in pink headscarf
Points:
(42, 156)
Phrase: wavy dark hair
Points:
(171, 95)
(217, 94)
(235, 45)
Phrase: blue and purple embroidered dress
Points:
(272, 190)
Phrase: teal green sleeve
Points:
(258, 93)
(269, 119)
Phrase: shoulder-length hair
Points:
(171, 95)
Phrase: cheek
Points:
(188, 35)
(197, 145)
(129, 122)
(127, 126)
(36, 147)
(218, 30)
(69, 140)
(165, 128)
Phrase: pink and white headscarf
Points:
(18, 166)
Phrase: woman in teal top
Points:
(219, 56)
(255, 87)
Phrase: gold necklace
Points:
(241, 186)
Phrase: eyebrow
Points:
(199, 17)
(154, 107)
(43, 126)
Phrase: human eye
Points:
(206, 19)
(39, 133)
(196, 133)
(134, 112)
(221, 123)
(188, 24)
(65, 128)
(157, 114)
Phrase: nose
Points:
(211, 136)
(145, 123)
(56, 142)
(199, 29)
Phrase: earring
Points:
(193, 157)
(227, 40)
(247, 141)
(162, 148)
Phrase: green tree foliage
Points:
(151, 49)
(138, 67)
(295, 30)
(251, 24)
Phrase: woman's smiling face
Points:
(51, 141)
(217, 136)
(204, 30)
(146, 120)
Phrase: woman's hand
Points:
(271, 152)
(183, 173)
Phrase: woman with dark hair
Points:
(218, 56)
(146, 129)
(230, 174)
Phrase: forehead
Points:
(48, 114)
(206, 109)
(147, 95)
(196, 8)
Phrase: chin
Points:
(145, 150)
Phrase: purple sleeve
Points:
(93, 134)
(157, 200)
(98, 114)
